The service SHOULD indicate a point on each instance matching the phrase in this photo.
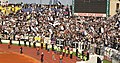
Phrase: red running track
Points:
(32, 52)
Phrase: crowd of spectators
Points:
(56, 21)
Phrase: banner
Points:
(90, 14)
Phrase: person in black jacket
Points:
(25, 43)
(46, 46)
(29, 44)
(0, 41)
(42, 56)
(41, 45)
(21, 50)
(34, 44)
(77, 52)
(98, 60)
(19, 43)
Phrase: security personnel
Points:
(84, 58)
(63, 51)
(71, 52)
(59, 50)
(81, 57)
(55, 48)
(66, 53)
(52, 47)
(48, 48)
(78, 55)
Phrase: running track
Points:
(32, 52)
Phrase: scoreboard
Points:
(90, 6)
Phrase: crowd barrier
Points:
(38, 44)
(21, 42)
(32, 39)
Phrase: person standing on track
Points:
(21, 50)
(38, 50)
(67, 53)
(9, 45)
(71, 53)
(77, 52)
(61, 57)
(55, 49)
(53, 55)
(42, 55)
(48, 48)
(63, 51)
(59, 50)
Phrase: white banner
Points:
(91, 14)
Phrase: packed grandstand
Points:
(34, 22)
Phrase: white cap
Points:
(42, 52)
